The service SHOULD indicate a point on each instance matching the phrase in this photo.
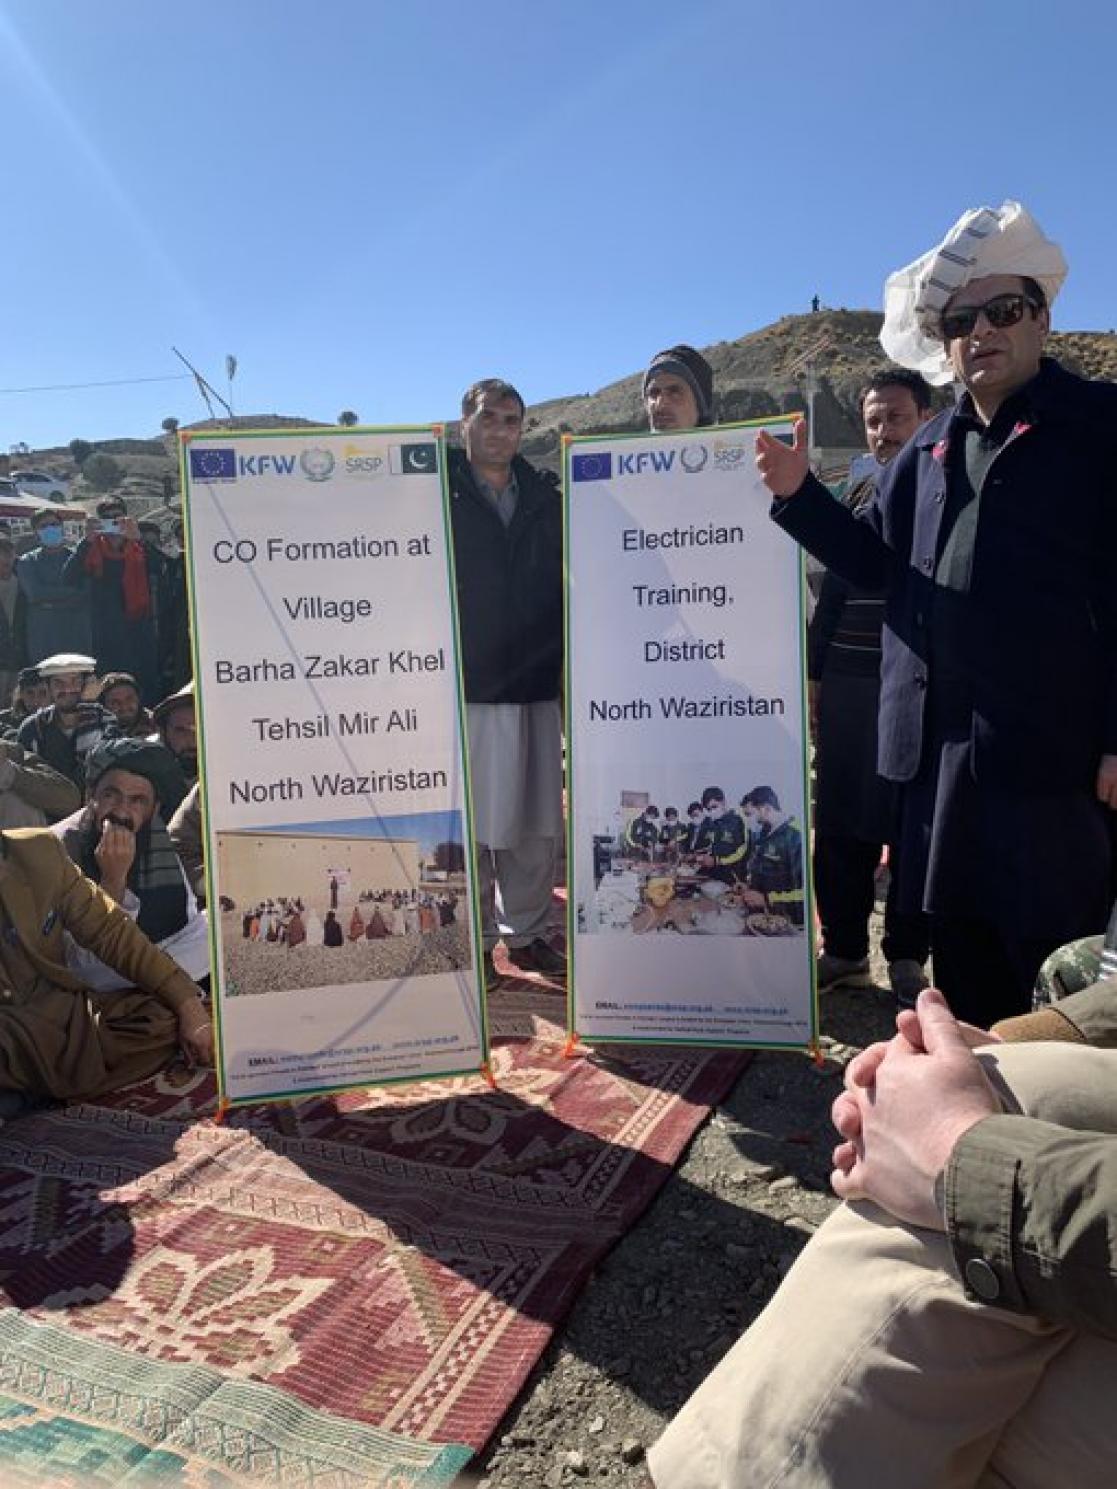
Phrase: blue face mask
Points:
(51, 537)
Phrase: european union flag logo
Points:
(213, 465)
(591, 467)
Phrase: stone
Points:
(798, 1223)
(632, 1450)
(781, 1186)
(576, 1462)
(596, 1425)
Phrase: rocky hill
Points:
(763, 373)
(758, 374)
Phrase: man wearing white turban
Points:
(994, 536)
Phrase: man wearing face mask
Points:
(57, 612)
(123, 582)
(723, 844)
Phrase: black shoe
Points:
(538, 957)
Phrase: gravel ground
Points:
(268, 967)
(679, 1289)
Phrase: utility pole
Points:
(803, 368)
(206, 389)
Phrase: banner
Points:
(338, 846)
(689, 904)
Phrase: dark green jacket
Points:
(1031, 1207)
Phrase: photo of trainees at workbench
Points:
(716, 864)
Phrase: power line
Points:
(122, 382)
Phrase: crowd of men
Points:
(119, 594)
(958, 1315)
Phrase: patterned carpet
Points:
(339, 1292)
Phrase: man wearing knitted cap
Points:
(678, 390)
(994, 536)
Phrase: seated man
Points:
(119, 841)
(178, 729)
(57, 1038)
(66, 730)
(185, 829)
(955, 1323)
(119, 692)
(32, 793)
(30, 695)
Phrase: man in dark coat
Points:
(994, 534)
(66, 730)
(507, 527)
(57, 611)
(122, 581)
(854, 808)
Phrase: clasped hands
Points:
(906, 1103)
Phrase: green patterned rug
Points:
(75, 1414)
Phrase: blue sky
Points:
(372, 202)
(428, 829)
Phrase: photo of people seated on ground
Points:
(325, 911)
(721, 863)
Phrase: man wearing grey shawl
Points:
(120, 842)
(994, 537)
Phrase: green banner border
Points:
(436, 432)
(570, 442)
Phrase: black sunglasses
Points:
(1001, 311)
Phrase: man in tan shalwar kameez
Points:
(57, 1039)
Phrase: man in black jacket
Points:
(507, 525)
(854, 806)
(994, 536)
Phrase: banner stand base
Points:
(568, 1049)
(816, 1054)
(223, 1107)
(490, 1078)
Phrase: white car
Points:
(42, 484)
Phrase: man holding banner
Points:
(678, 390)
(507, 525)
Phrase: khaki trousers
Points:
(870, 1369)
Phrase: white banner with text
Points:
(689, 901)
(339, 851)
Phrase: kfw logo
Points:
(601, 467)
(227, 465)
(653, 460)
(265, 465)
